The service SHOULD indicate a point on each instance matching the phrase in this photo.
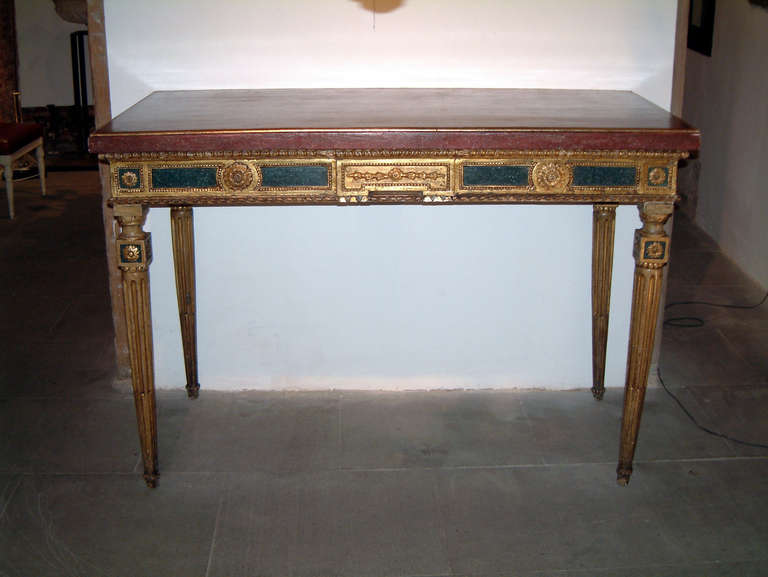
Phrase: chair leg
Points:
(8, 174)
(40, 153)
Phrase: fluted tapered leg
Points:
(183, 235)
(134, 253)
(603, 227)
(8, 176)
(40, 154)
(651, 252)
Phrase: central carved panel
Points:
(395, 175)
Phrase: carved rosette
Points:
(134, 255)
(129, 179)
(236, 176)
(658, 176)
(551, 176)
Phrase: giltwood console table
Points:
(393, 146)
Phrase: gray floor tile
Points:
(353, 523)
(719, 316)
(703, 268)
(271, 432)
(56, 435)
(558, 518)
(87, 318)
(686, 236)
(717, 569)
(666, 433)
(712, 509)
(704, 357)
(563, 434)
(37, 317)
(751, 343)
(34, 369)
(109, 525)
(9, 483)
(435, 429)
(739, 412)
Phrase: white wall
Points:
(391, 297)
(726, 96)
(45, 66)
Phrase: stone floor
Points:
(449, 483)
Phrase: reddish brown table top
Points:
(402, 118)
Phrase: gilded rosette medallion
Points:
(551, 177)
(131, 252)
(236, 176)
(658, 176)
(129, 179)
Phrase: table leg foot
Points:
(193, 391)
(622, 475)
(151, 479)
(598, 392)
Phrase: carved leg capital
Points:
(651, 252)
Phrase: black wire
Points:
(703, 428)
(684, 322)
(724, 305)
(693, 322)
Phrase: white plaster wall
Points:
(726, 96)
(391, 297)
(45, 66)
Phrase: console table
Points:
(393, 146)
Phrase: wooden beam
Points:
(9, 80)
(97, 44)
(681, 49)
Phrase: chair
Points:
(16, 140)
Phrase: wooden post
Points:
(603, 227)
(9, 81)
(97, 53)
(651, 252)
(134, 254)
(183, 236)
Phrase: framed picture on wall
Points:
(701, 26)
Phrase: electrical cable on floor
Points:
(702, 427)
(693, 322)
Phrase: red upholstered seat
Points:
(15, 135)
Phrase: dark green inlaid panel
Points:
(604, 176)
(315, 176)
(136, 172)
(184, 177)
(495, 175)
